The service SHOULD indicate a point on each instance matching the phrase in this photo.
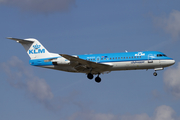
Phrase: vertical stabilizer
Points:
(34, 48)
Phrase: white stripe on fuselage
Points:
(122, 65)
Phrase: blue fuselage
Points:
(118, 61)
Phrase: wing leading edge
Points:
(96, 67)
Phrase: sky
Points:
(85, 27)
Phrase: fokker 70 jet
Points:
(94, 64)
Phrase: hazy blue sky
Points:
(82, 27)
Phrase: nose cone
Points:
(167, 63)
(171, 62)
(174, 62)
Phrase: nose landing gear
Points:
(157, 69)
(155, 73)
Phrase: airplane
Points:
(94, 64)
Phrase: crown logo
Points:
(36, 46)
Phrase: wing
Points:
(87, 65)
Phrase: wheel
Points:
(98, 79)
(90, 76)
(155, 74)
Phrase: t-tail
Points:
(34, 48)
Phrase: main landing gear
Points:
(97, 79)
(90, 76)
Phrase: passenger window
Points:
(129, 57)
(118, 57)
(137, 56)
(126, 57)
(101, 58)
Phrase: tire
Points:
(98, 79)
(90, 76)
(155, 74)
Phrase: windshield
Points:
(161, 55)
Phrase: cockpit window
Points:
(164, 55)
(158, 55)
(161, 55)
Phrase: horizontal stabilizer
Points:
(22, 40)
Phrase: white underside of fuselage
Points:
(116, 66)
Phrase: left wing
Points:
(87, 64)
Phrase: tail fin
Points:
(34, 48)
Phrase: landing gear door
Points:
(150, 58)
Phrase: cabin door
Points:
(98, 59)
(150, 58)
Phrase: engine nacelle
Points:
(60, 61)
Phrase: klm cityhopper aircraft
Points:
(94, 64)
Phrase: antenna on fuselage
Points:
(126, 51)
